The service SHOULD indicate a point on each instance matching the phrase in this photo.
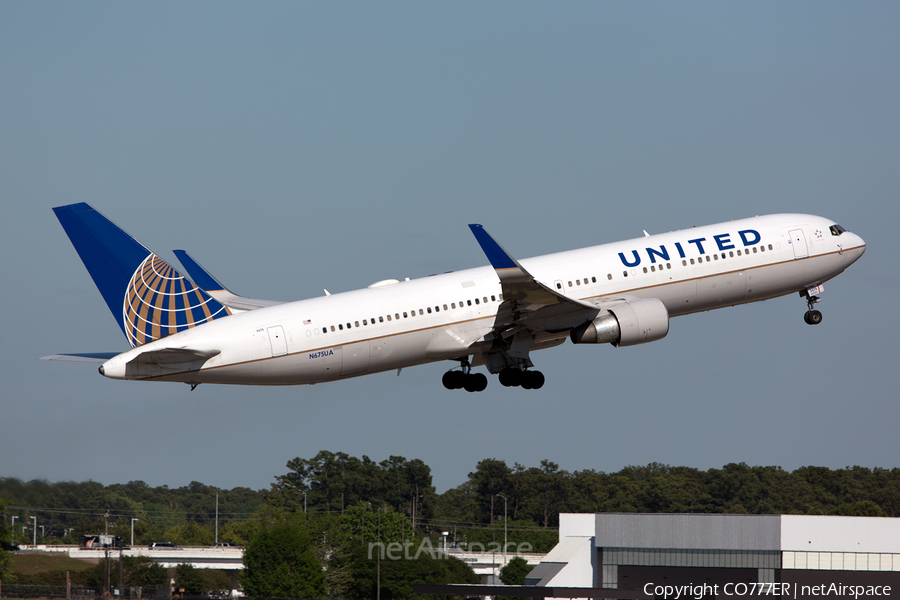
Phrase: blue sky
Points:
(292, 147)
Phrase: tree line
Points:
(531, 498)
(340, 507)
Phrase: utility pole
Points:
(217, 517)
(504, 527)
(34, 531)
(106, 550)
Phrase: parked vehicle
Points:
(100, 541)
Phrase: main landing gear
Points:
(529, 380)
(465, 379)
(811, 317)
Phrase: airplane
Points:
(621, 293)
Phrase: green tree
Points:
(514, 572)
(491, 477)
(280, 562)
(188, 578)
(399, 576)
(5, 539)
(190, 534)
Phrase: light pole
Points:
(34, 531)
(504, 527)
(12, 526)
(133, 519)
(304, 501)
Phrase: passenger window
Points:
(692, 261)
(762, 248)
(412, 313)
(332, 328)
(348, 325)
(558, 286)
(624, 273)
(653, 268)
(405, 315)
(593, 280)
(429, 310)
(476, 301)
(739, 252)
(324, 330)
(570, 284)
(469, 302)
(485, 299)
(585, 281)
(356, 323)
(366, 322)
(453, 305)
(578, 282)
(493, 299)
(715, 257)
(381, 319)
(645, 269)
(397, 316)
(731, 254)
(421, 312)
(770, 246)
(609, 276)
(341, 327)
(684, 263)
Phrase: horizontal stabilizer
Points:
(93, 357)
(211, 286)
(168, 356)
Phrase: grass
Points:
(28, 563)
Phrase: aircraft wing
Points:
(526, 301)
(219, 292)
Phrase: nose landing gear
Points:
(812, 317)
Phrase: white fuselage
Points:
(441, 317)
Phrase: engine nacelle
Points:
(635, 322)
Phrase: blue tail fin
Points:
(148, 298)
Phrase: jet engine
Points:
(627, 324)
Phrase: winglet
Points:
(508, 268)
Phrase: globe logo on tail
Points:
(159, 301)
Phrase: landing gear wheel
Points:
(475, 382)
(812, 317)
(532, 380)
(453, 380)
(511, 377)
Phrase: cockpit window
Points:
(837, 229)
